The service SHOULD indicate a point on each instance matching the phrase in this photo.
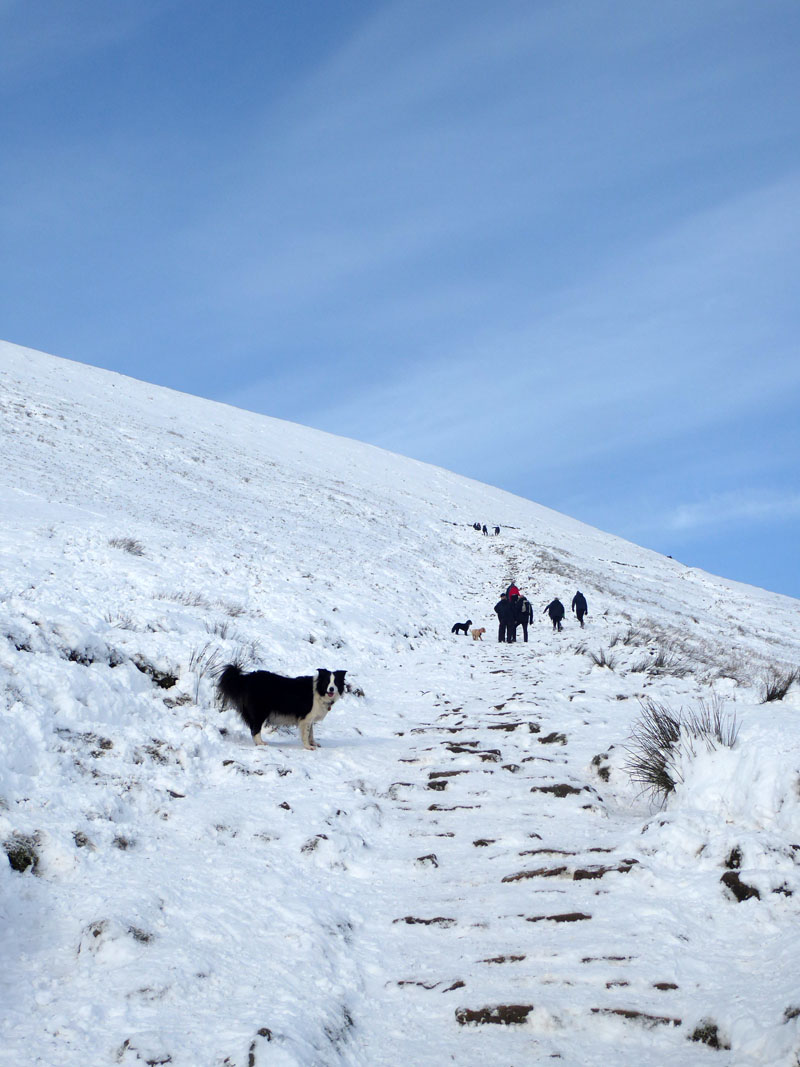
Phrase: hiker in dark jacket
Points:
(555, 609)
(513, 598)
(523, 614)
(505, 612)
(579, 606)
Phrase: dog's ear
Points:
(323, 680)
(339, 680)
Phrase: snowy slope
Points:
(466, 837)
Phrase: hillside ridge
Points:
(464, 871)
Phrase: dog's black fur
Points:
(266, 699)
(461, 627)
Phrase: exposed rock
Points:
(22, 852)
(707, 1033)
(649, 1021)
(500, 1014)
(600, 872)
(553, 739)
(740, 889)
(540, 872)
(439, 920)
(562, 790)
(568, 917)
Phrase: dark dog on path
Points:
(461, 627)
(266, 699)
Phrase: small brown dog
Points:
(478, 632)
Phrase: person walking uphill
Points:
(505, 614)
(524, 614)
(579, 606)
(555, 609)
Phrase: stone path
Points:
(534, 901)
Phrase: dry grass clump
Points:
(209, 660)
(190, 600)
(601, 658)
(661, 735)
(776, 684)
(632, 636)
(668, 661)
(127, 544)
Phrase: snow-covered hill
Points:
(464, 872)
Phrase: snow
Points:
(466, 837)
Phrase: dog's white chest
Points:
(320, 708)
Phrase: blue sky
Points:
(552, 246)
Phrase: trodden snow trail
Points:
(475, 920)
(486, 928)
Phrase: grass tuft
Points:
(660, 735)
(667, 661)
(601, 658)
(776, 684)
(128, 544)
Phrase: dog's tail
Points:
(229, 685)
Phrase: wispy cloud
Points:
(735, 508)
(674, 337)
(485, 198)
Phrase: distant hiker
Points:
(555, 609)
(504, 611)
(496, 530)
(512, 592)
(579, 606)
(485, 531)
(476, 526)
(523, 614)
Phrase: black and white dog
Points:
(461, 627)
(266, 699)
